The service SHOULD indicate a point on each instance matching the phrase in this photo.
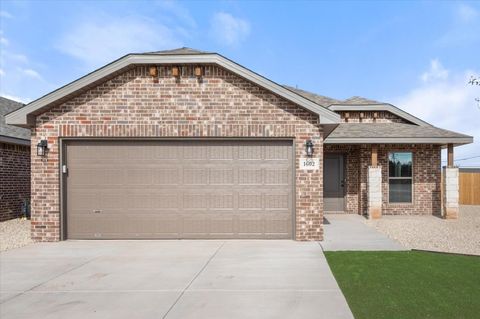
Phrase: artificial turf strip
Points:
(408, 284)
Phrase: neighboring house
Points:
(189, 144)
(14, 164)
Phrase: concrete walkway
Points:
(169, 279)
(349, 232)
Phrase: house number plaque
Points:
(310, 163)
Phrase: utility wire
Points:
(463, 159)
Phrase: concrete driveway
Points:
(169, 279)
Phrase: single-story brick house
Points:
(14, 164)
(189, 144)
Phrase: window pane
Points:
(400, 164)
(400, 191)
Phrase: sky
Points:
(418, 56)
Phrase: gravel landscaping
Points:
(14, 233)
(433, 233)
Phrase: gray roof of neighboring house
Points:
(385, 133)
(9, 133)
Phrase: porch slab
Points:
(349, 232)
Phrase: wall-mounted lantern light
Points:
(309, 148)
(42, 148)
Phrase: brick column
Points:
(374, 192)
(450, 193)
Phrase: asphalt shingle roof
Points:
(7, 106)
(326, 101)
(183, 50)
(319, 99)
(390, 130)
(358, 100)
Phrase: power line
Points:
(463, 159)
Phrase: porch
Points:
(383, 179)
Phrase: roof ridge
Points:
(182, 50)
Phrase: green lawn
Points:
(408, 284)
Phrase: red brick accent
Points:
(14, 179)
(426, 178)
(133, 104)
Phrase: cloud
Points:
(173, 10)
(99, 40)
(436, 72)
(19, 75)
(5, 14)
(466, 13)
(15, 98)
(228, 29)
(447, 100)
(32, 74)
(4, 41)
(463, 29)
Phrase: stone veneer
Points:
(374, 192)
(450, 194)
(133, 104)
(14, 179)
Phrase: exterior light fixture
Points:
(309, 148)
(42, 148)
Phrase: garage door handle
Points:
(97, 211)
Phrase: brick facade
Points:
(14, 179)
(426, 178)
(370, 117)
(133, 104)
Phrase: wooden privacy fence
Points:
(469, 184)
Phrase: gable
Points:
(26, 115)
(221, 97)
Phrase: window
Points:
(400, 177)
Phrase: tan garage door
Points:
(179, 189)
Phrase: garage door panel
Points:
(250, 176)
(179, 189)
(278, 176)
(195, 176)
(166, 176)
(221, 176)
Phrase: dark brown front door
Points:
(179, 189)
(334, 183)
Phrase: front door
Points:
(334, 183)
